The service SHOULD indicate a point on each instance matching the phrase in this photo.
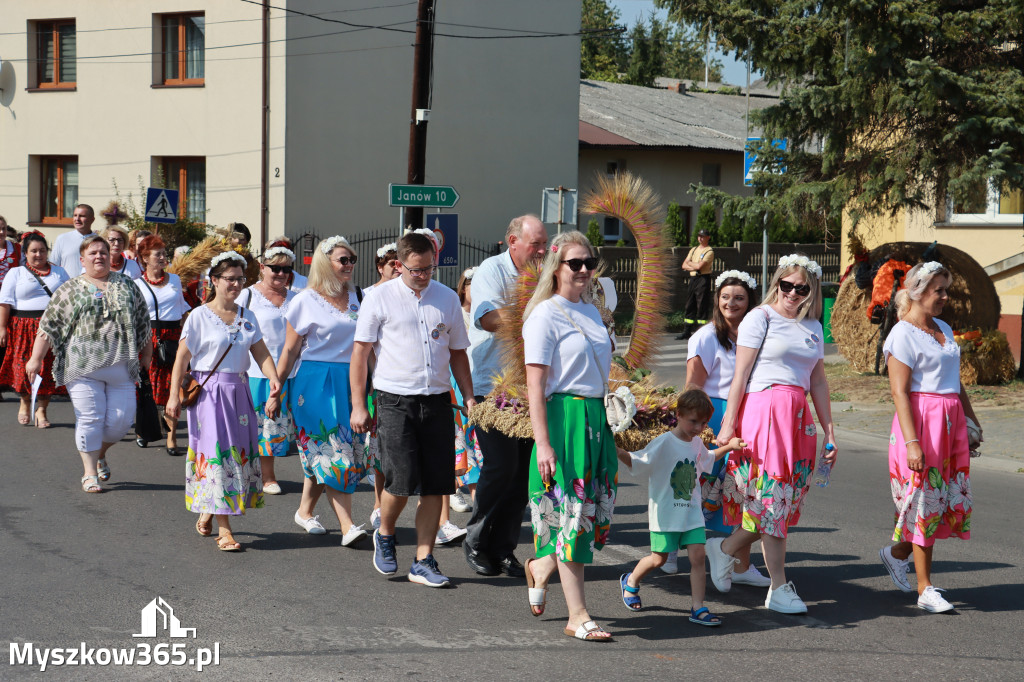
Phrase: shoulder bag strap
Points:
(589, 342)
(359, 295)
(156, 303)
(248, 300)
(219, 360)
(757, 358)
(41, 283)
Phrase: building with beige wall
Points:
(89, 100)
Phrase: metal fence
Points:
(472, 252)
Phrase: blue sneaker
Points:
(426, 572)
(384, 558)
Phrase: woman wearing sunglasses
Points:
(779, 358)
(268, 299)
(568, 357)
(321, 327)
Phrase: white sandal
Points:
(103, 469)
(585, 631)
(93, 487)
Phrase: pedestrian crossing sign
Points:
(161, 205)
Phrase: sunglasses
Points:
(278, 269)
(345, 260)
(576, 263)
(787, 287)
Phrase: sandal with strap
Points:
(204, 530)
(227, 543)
(589, 632)
(93, 487)
(103, 469)
(704, 617)
(538, 596)
(630, 595)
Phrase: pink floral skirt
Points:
(933, 504)
(765, 483)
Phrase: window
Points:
(55, 54)
(987, 202)
(59, 188)
(612, 229)
(183, 46)
(711, 174)
(187, 174)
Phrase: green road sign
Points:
(439, 196)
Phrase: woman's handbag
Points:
(190, 389)
(166, 349)
(147, 417)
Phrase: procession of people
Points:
(362, 382)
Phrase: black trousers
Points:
(698, 301)
(501, 494)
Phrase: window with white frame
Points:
(988, 202)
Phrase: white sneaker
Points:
(930, 600)
(671, 565)
(897, 568)
(312, 524)
(751, 576)
(375, 518)
(353, 535)
(459, 502)
(449, 532)
(721, 565)
(785, 600)
(272, 488)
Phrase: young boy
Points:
(673, 462)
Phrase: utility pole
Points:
(423, 57)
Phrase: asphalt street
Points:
(80, 568)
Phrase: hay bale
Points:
(973, 302)
(987, 361)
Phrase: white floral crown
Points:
(468, 274)
(803, 261)
(429, 234)
(227, 255)
(742, 276)
(931, 267)
(331, 243)
(382, 251)
(278, 251)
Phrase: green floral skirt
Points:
(573, 517)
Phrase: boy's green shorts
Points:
(670, 542)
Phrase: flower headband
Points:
(468, 274)
(331, 243)
(278, 251)
(931, 267)
(429, 234)
(383, 251)
(742, 276)
(803, 261)
(227, 255)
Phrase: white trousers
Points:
(104, 402)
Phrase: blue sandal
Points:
(704, 617)
(630, 595)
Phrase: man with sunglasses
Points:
(501, 493)
(698, 264)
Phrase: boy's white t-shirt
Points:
(673, 468)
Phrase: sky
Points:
(735, 73)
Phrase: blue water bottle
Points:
(824, 470)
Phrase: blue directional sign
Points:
(749, 157)
(161, 205)
(445, 227)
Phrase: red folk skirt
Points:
(160, 377)
(21, 334)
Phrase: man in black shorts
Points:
(414, 325)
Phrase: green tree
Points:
(647, 53)
(706, 220)
(676, 225)
(601, 56)
(886, 105)
(594, 234)
(685, 54)
(730, 230)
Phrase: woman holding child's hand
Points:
(568, 356)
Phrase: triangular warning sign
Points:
(161, 208)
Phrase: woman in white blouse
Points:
(779, 358)
(222, 473)
(929, 452)
(321, 327)
(573, 471)
(268, 299)
(164, 295)
(117, 237)
(25, 293)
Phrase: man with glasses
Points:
(501, 493)
(65, 249)
(414, 325)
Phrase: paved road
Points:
(79, 568)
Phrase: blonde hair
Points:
(547, 281)
(915, 284)
(321, 275)
(120, 230)
(811, 306)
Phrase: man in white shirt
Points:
(414, 326)
(502, 491)
(65, 248)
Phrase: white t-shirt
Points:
(298, 282)
(413, 336)
(169, 296)
(129, 268)
(790, 351)
(934, 368)
(273, 324)
(21, 289)
(65, 252)
(673, 468)
(719, 363)
(327, 330)
(576, 365)
(206, 336)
